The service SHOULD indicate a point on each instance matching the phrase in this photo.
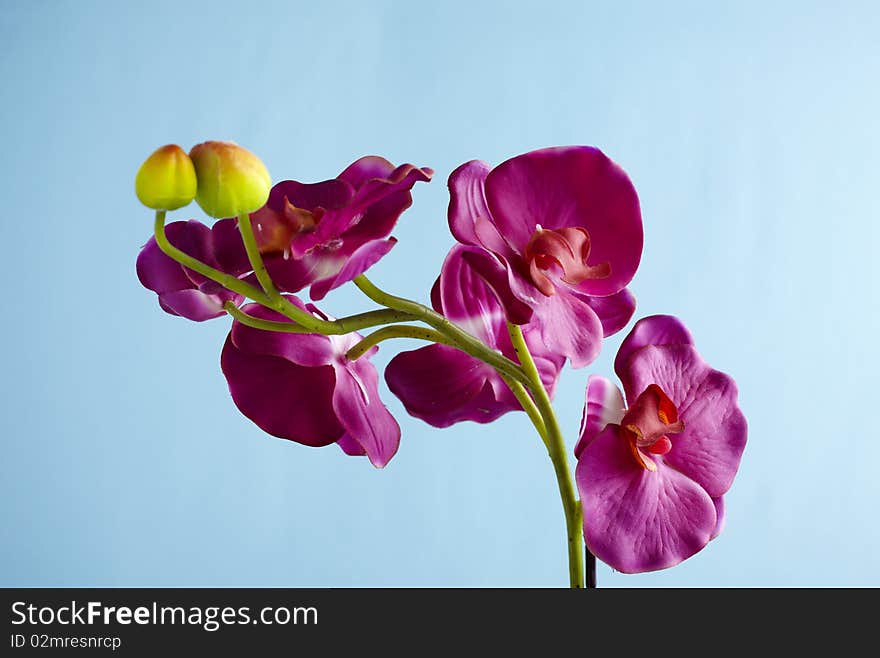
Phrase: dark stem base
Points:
(590, 568)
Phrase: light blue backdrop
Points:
(751, 132)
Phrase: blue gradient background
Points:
(751, 131)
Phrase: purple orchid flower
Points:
(301, 387)
(184, 292)
(651, 477)
(442, 385)
(325, 234)
(562, 231)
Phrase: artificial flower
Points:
(561, 228)
(652, 474)
(302, 387)
(325, 234)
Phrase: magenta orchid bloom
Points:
(184, 292)
(325, 234)
(562, 231)
(652, 476)
(442, 385)
(301, 387)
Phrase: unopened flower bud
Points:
(232, 180)
(166, 180)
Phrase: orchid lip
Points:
(561, 254)
(300, 219)
(647, 424)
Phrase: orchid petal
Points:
(576, 186)
(284, 399)
(467, 200)
(366, 420)
(350, 446)
(503, 281)
(161, 273)
(652, 330)
(603, 405)
(442, 385)
(353, 266)
(192, 304)
(364, 217)
(327, 195)
(719, 515)
(378, 220)
(548, 363)
(466, 298)
(228, 247)
(401, 179)
(293, 274)
(614, 311)
(310, 350)
(570, 327)
(392, 197)
(366, 168)
(158, 272)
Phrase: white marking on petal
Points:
(613, 407)
(604, 405)
(482, 324)
(361, 385)
(328, 267)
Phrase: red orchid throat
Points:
(563, 252)
(647, 424)
(275, 230)
(300, 219)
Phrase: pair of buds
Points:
(225, 179)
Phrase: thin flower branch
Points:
(253, 254)
(327, 327)
(556, 449)
(226, 280)
(463, 340)
(343, 325)
(396, 331)
(528, 404)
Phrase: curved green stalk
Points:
(276, 300)
(461, 339)
(396, 331)
(343, 325)
(422, 333)
(253, 253)
(226, 280)
(556, 448)
(315, 325)
(528, 404)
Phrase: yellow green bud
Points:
(166, 180)
(232, 180)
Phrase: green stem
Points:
(528, 404)
(556, 448)
(276, 300)
(460, 338)
(343, 325)
(253, 253)
(305, 323)
(226, 280)
(423, 333)
(396, 331)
